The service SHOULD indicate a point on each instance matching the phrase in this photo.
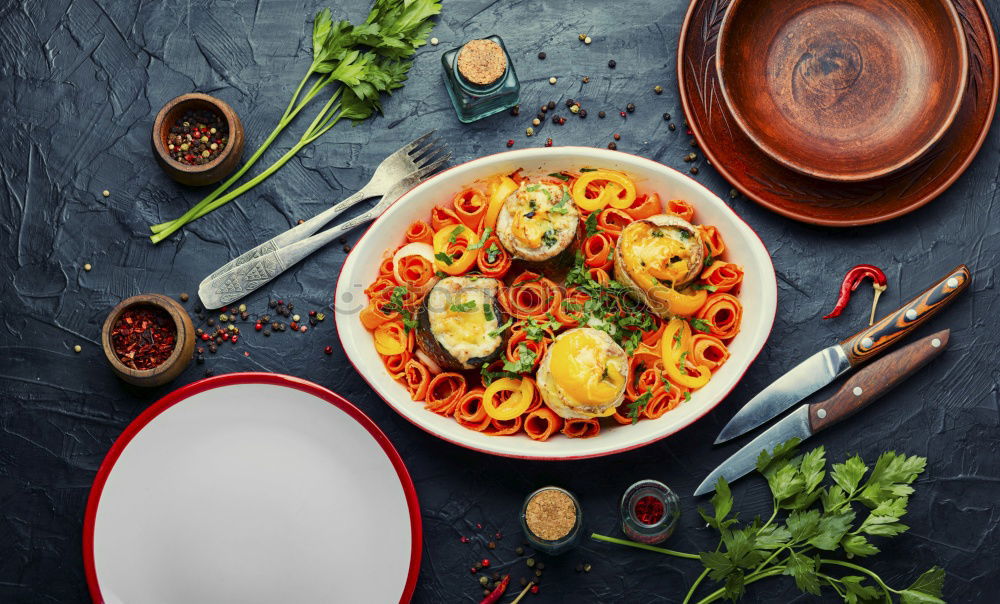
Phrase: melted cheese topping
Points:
(540, 213)
(458, 319)
(587, 369)
(663, 252)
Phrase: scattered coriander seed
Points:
(515, 110)
(574, 109)
(541, 56)
(536, 122)
(483, 580)
(601, 114)
(586, 79)
(538, 572)
(223, 318)
(587, 567)
(519, 550)
(630, 107)
(524, 582)
(612, 63)
(296, 318)
(435, 41)
(658, 89)
(694, 169)
(733, 193)
(612, 146)
(553, 80)
(672, 126)
(587, 40)
(581, 37)
(243, 307)
(87, 267)
(77, 348)
(106, 193)
(530, 562)
(347, 249)
(690, 157)
(491, 545)
(617, 136)
(529, 131)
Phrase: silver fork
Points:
(261, 264)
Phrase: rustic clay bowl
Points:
(205, 174)
(843, 91)
(175, 363)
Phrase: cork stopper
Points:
(482, 62)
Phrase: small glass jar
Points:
(650, 511)
(557, 498)
(475, 97)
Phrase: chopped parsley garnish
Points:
(525, 360)
(464, 306)
(682, 361)
(588, 169)
(559, 175)
(441, 274)
(687, 395)
(638, 406)
(549, 238)
(443, 257)
(705, 287)
(453, 237)
(684, 234)
(656, 233)
(488, 312)
(535, 330)
(604, 374)
(532, 203)
(396, 305)
(499, 330)
(482, 241)
(591, 223)
(709, 260)
(492, 253)
(701, 325)
(490, 376)
(560, 207)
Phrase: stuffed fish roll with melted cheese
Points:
(583, 373)
(538, 223)
(459, 323)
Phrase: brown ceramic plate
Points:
(843, 91)
(816, 201)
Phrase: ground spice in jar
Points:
(143, 337)
(197, 137)
(482, 62)
(550, 515)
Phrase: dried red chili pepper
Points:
(497, 593)
(143, 337)
(851, 282)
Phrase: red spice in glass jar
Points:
(649, 510)
(143, 337)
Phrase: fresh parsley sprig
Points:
(819, 522)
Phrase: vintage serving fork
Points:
(397, 174)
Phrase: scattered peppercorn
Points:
(536, 122)
(690, 157)
(347, 249)
(579, 568)
(510, 142)
(541, 56)
(622, 113)
(550, 105)
(87, 267)
(515, 110)
(733, 193)
(570, 103)
(694, 169)
(601, 114)
(485, 563)
(534, 589)
(617, 136)
(553, 80)
(672, 126)
(586, 79)
(519, 550)
(612, 146)
(612, 63)
(184, 297)
(630, 107)
(658, 89)
(529, 131)
(523, 581)
(587, 567)
(491, 545)
(548, 142)
(483, 580)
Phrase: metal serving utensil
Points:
(397, 174)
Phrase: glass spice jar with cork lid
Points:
(480, 78)
(552, 520)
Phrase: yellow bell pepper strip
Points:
(451, 249)
(683, 304)
(617, 182)
(520, 399)
(674, 347)
(499, 191)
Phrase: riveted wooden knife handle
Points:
(873, 341)
(868, 384)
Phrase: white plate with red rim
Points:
(252, 487)
(758, 294)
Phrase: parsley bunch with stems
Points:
(801, 544)
(363, 61)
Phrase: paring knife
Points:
(828, 364)
(858, 392)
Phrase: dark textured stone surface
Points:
(80, 82)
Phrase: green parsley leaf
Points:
(926, 589)
(492, 253)
(525, 360)
(705, 286)
(488, 311)
(464, 306)
(858, 545)
(502, 328)
(443, 257)
(857, 591)
(803, 569)
(482, 240)
(848, 475)
(560, 176)
(591, 223)
(637, 406)
(701, 325)
(453, 237)
(709, 260)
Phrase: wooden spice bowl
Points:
(178, 359)
(843, 91)
(205, 174)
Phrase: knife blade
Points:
(862, 389)
(830, 363)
